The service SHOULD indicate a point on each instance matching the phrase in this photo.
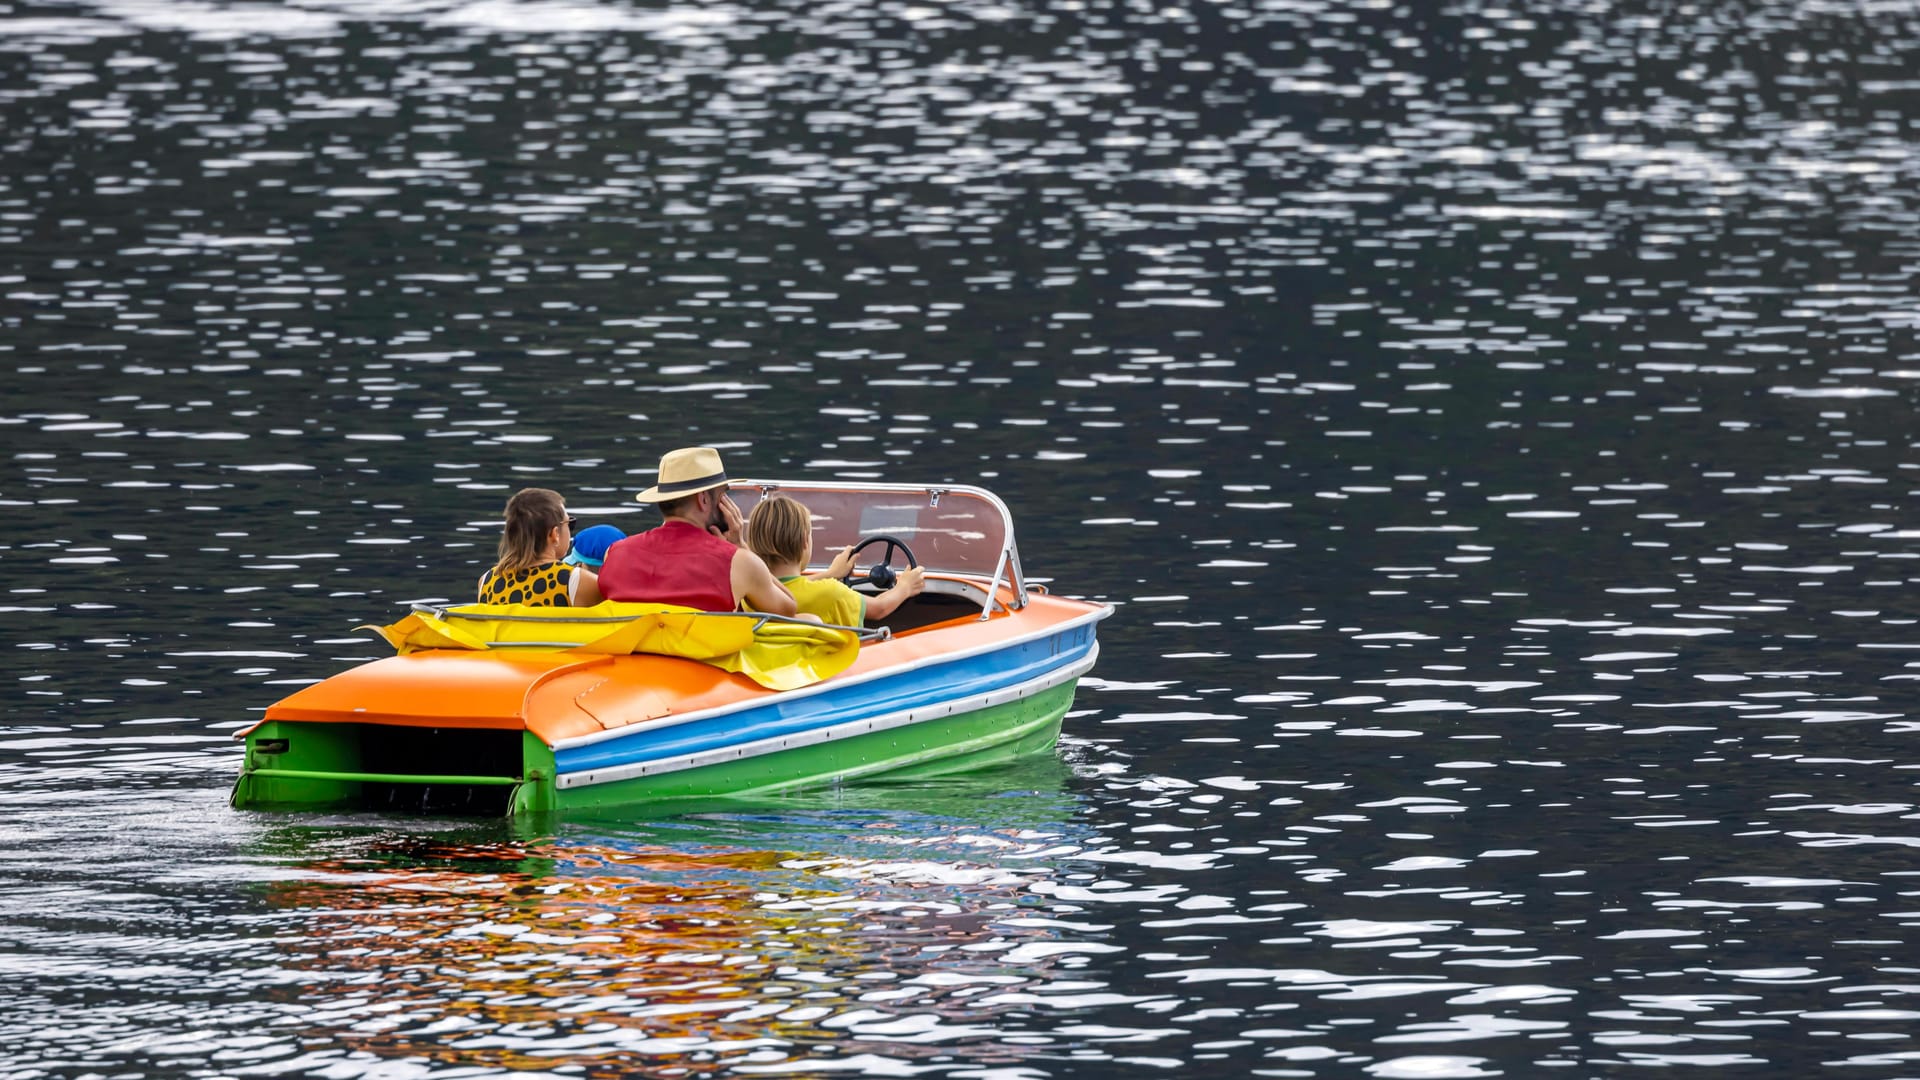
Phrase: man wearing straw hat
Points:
(694, 558)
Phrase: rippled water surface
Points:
(1492, 424)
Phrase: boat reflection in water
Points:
(893, 922)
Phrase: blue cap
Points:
(590, 547)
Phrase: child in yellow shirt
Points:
(780, 531)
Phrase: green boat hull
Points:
(316, 765)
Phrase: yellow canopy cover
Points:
(777, 655)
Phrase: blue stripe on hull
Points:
(930, 684)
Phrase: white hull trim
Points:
(848, 729)
(836, 684)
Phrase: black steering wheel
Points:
(880, 574)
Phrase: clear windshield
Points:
(953, 529)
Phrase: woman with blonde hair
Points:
(533, 547)
(780, 531)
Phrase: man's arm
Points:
(753, 582)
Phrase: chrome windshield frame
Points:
(1006, 567)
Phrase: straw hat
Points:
(685, 471)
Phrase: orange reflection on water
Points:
(641, 960)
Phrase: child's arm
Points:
(912, 581)
(841, 566)
(584, 587)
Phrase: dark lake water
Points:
(1493, 424)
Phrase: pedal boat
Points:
(979, 669)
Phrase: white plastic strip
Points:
(839, 682)
(612, 773)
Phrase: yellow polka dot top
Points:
(541, 586)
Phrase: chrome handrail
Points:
(761, 618)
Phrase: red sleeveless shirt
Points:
(676, 563)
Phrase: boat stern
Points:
(373, 766)
(435, 732)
